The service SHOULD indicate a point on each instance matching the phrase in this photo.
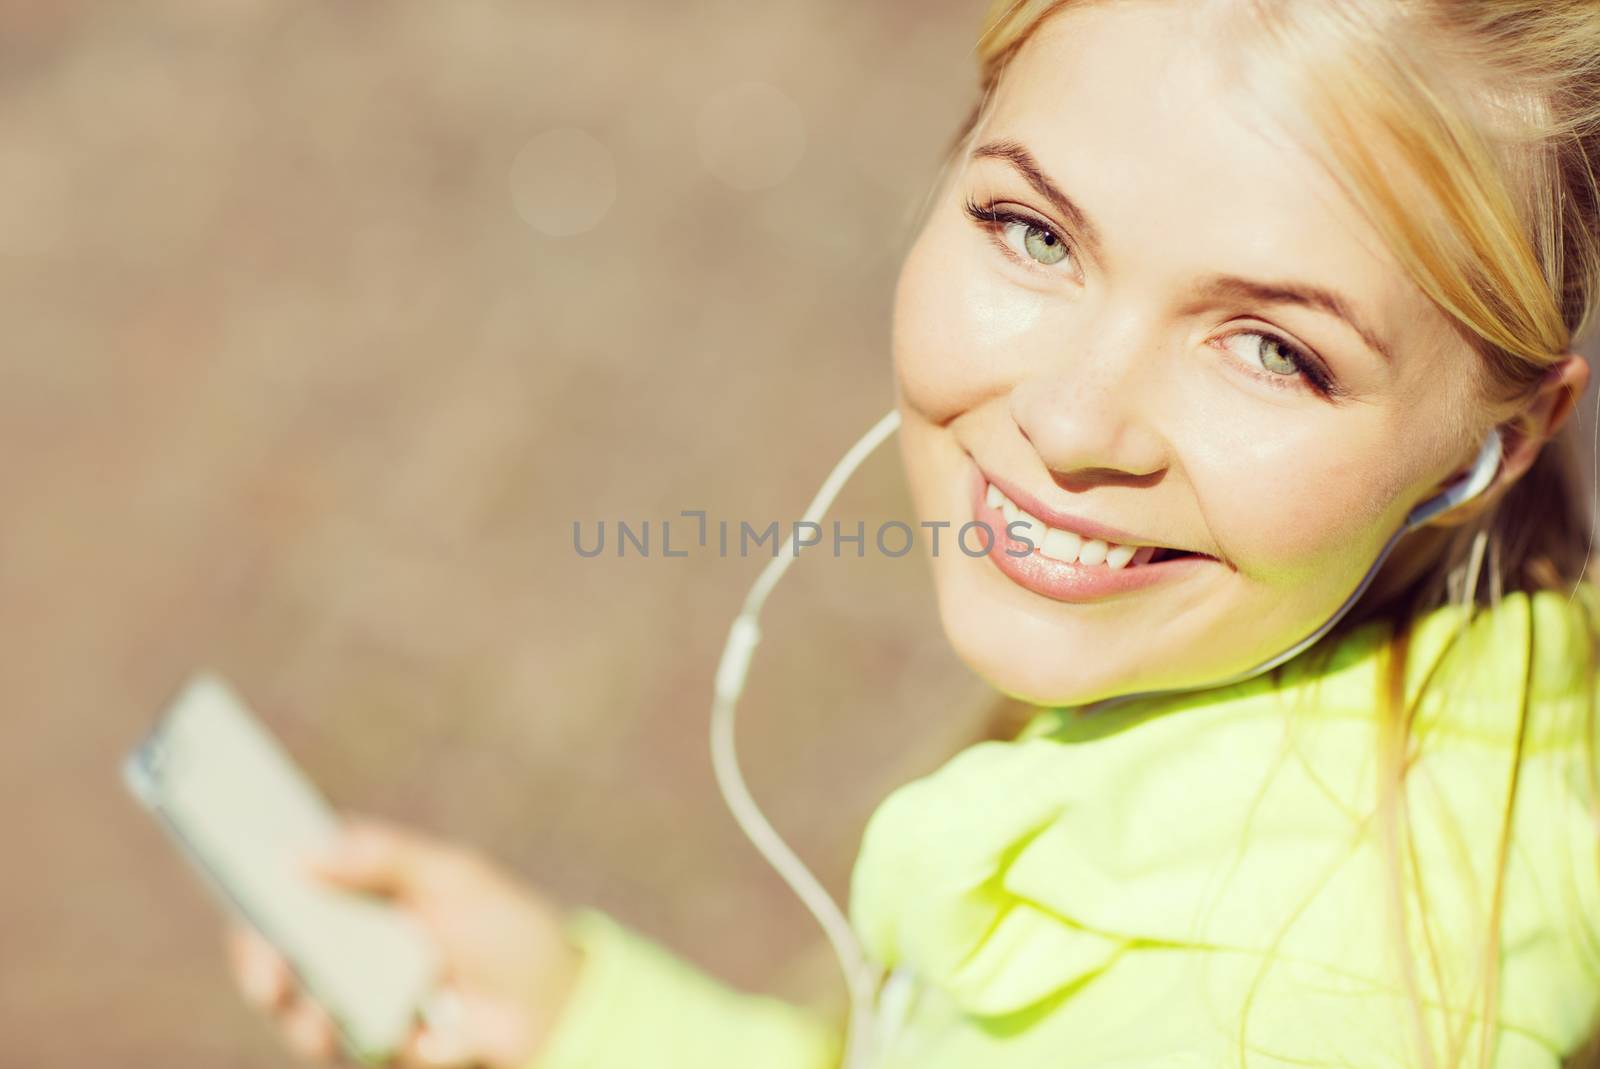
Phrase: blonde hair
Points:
(1468, 132)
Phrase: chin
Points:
(1038, 658)
(1023, 678)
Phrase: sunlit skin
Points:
(1102, 365)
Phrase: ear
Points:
(1526, 433)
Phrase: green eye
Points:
(1044, 246)
(1279, 362)
(1268, 352)
(1020, 235)
(1277, 358)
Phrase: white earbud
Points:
(1469, 486)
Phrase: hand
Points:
(501, 945)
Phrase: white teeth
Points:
(1117, 557)
(1034, 529)
(1062, 545)
(1093, 552)
(1066, 546)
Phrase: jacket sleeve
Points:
(635, 1005)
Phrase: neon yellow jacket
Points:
(1197, 882)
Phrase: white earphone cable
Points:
(861, 976)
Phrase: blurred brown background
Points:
(323, 323)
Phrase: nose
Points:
(1089, 419)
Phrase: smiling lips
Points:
(1065, 546)
(1082, 565)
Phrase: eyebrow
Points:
(1224, 287)
(1221, 287)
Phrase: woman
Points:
(1213, 295)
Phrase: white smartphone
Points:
(245, 815)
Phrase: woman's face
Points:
(1147, 321)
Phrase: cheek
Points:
(1302, 505)
(959, 327)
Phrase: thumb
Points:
(372, 856)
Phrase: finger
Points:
(439, 1042)
(258, 969)
(309, 1031)
(431, 1048)
(463, 1030)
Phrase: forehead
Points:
(1137, 111)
